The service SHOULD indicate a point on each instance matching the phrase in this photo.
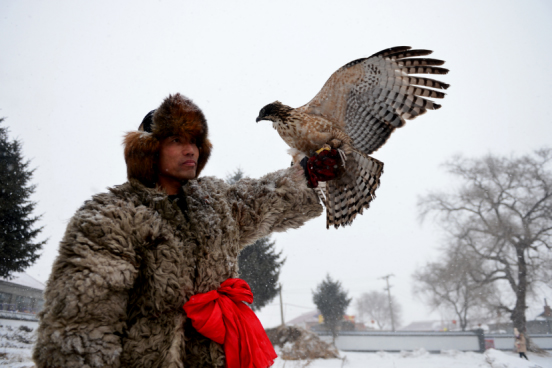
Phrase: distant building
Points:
(542, 323)
(539, 325)
(306, 320)
(434, 325)
(546, 314)
(313, 320)
(21, 294)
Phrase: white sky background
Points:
(76, 75)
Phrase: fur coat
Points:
(130, 259)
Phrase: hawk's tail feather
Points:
(349, 195)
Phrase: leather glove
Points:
(322, 166)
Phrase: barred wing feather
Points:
(369, 98)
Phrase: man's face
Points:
(178, 160)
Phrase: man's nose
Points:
(188, 149)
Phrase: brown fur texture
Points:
(177, 115)
(130, 259)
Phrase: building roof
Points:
(546, 314)
(312, 316)
(22, 279)
(434, 325)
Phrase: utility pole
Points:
(390, 299)
(281, 309)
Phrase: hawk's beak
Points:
(258, 119)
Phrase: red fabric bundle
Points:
(221, 315)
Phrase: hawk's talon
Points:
(343, 157)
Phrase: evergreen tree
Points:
(17, 249)
(259, 264)
(332, 301)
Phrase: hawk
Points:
(356, 111)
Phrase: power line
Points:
(288, 304)
(298, 306)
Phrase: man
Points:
(133, 257)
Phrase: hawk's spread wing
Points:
(368, 98)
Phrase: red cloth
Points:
(221, 316)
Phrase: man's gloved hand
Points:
(322, 166)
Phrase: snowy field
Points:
(422, 359)
(16, 345)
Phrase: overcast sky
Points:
(76, 75)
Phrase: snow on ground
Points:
(422, 359)
(16, 323)
(17, 339)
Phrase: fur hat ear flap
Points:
(205, 151)
(141, 156)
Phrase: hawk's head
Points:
(275, 112)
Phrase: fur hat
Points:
(177, 115)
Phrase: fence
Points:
(18, 316)
(433, 342)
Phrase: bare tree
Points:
(449, 284)
(501, 216)
(375, 306)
